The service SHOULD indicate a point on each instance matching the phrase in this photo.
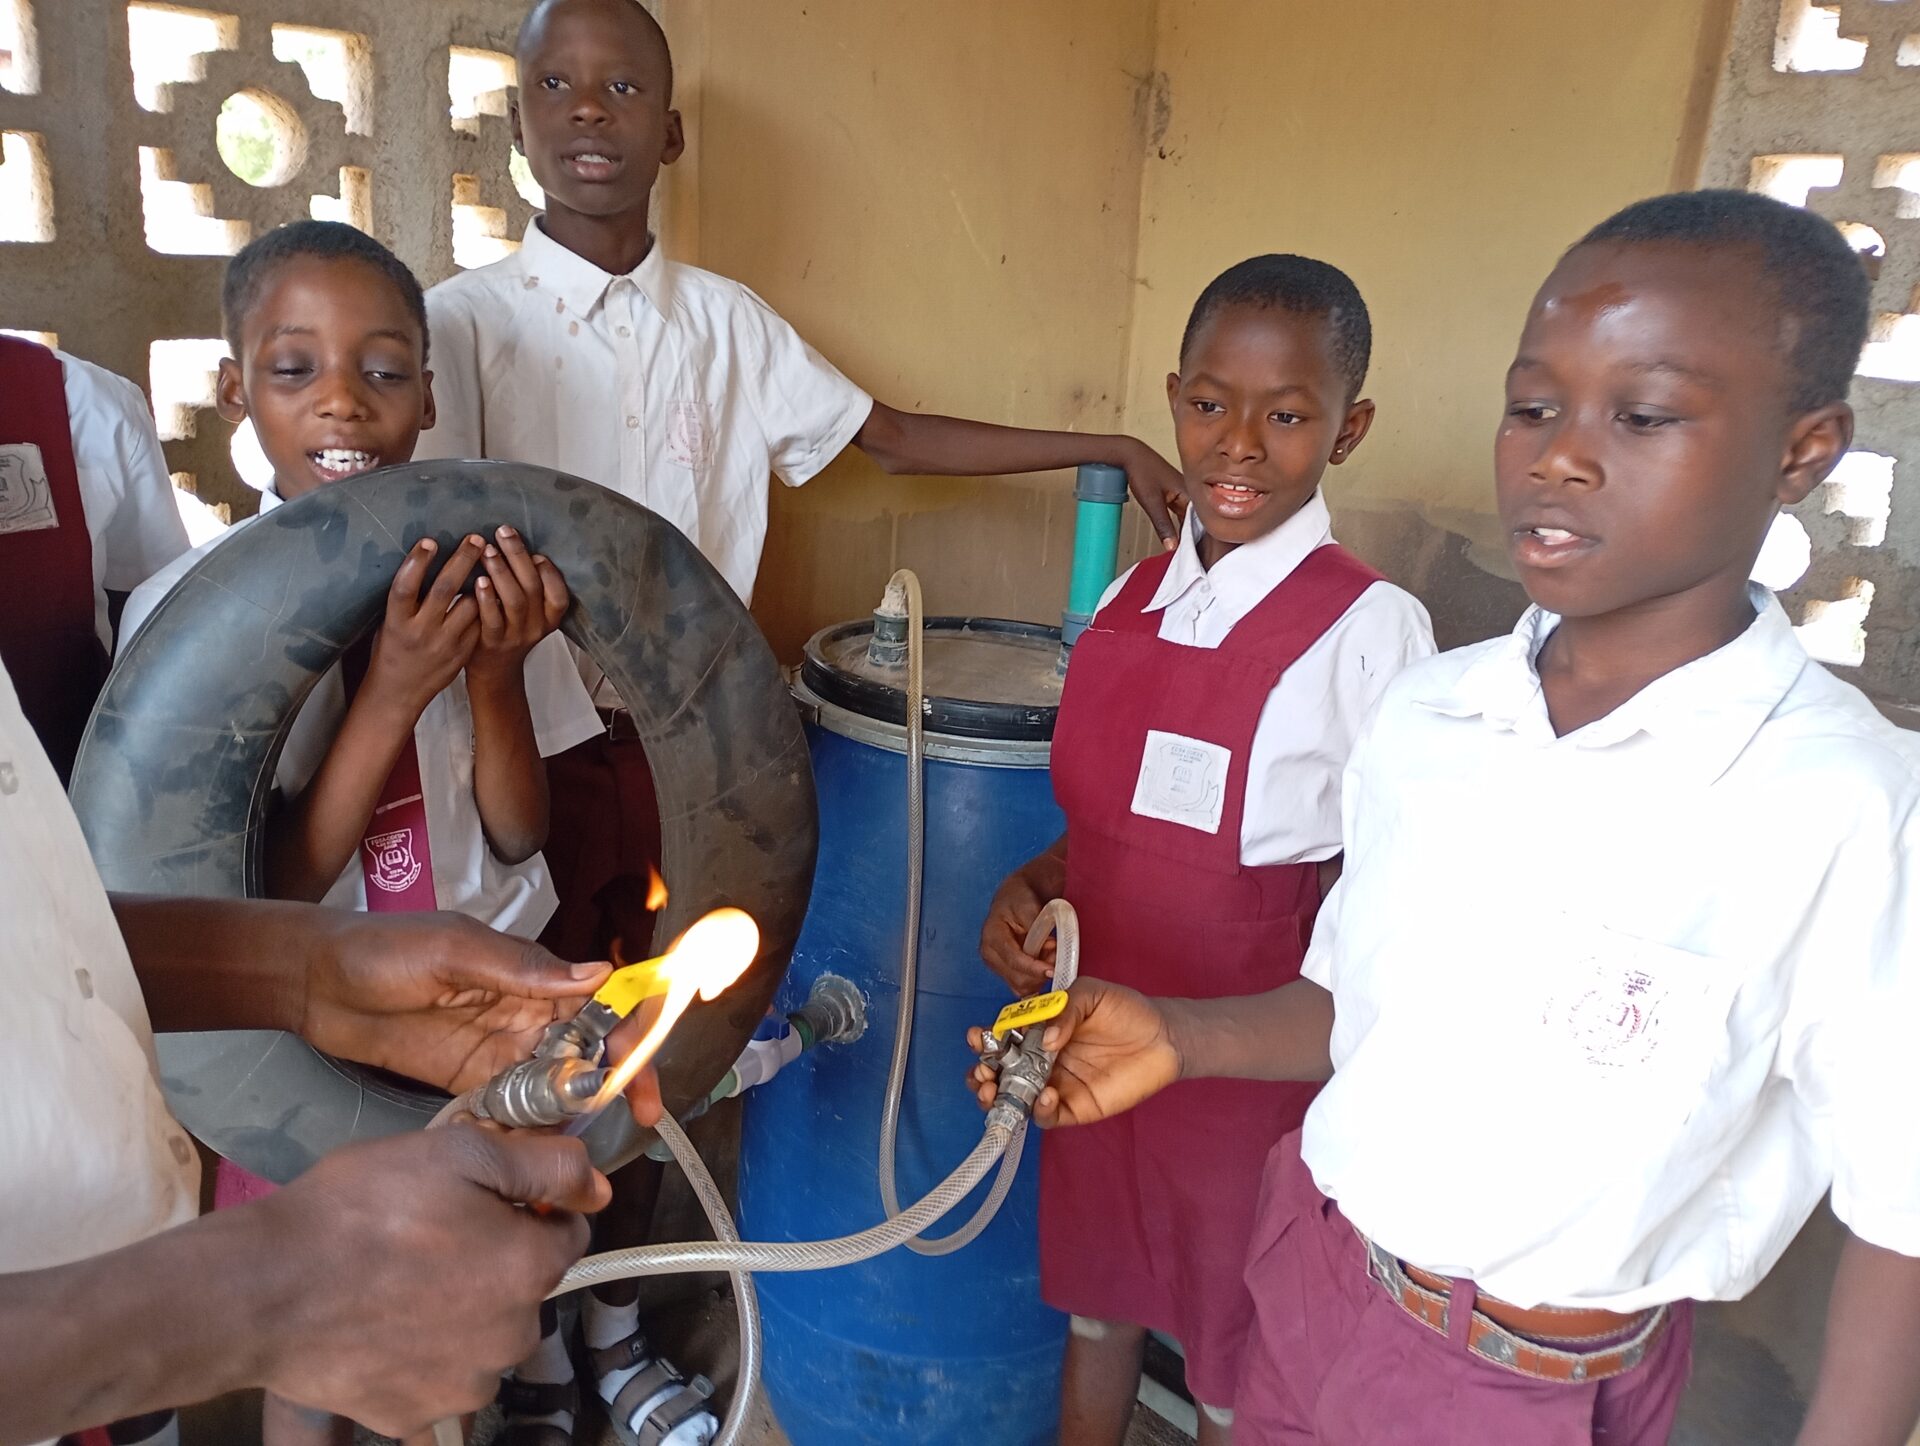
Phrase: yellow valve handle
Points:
(1024, 1013)
(628, 988)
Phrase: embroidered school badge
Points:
(395, 865)
(26, 497)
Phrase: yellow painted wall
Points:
(941, 196)
(1443, 154)
(1004, 208)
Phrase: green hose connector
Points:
(1101, 492)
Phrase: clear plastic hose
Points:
(795, 1255)
(746, 1301)
(906, 582)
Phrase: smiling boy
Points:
(1620, 978)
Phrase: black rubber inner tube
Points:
(176, 767)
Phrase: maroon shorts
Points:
(1333, 1361)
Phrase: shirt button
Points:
(633, 423)
(9, 780)
(85, 980)
(182, 1151)
(626, 331)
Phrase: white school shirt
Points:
(125, 491)
(1613, 1010)
(90, 1158)
(1307, 727)
(468, 877)
(675, 387)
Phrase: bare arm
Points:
(1869, 1388)
(421, 646)
(352, 1290)
(1116, 1047)
(522, 599)
(928, 445)
(1284, 1034)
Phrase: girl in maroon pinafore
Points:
(1207, 717)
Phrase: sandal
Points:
(677, 1413)
(521, 1400)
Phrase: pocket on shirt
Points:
(690, 434)
(1600, 1020)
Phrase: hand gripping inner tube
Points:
(176, 767)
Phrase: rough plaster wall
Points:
(1443, 155)
(1863, 115)
(1771, 1342)
(941, 197)
(100, 287)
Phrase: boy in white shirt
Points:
(1620, 977)
(1207, 717)
(590, 351)
(412, 779)
(86, 510)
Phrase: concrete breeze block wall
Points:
(389, 144)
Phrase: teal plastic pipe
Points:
(1101, 492)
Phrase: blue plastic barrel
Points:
(905, 1348)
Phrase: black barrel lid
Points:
(984, 677)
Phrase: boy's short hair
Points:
(1305, 287)
(655, 32)
(255, 263)
(1818, 280)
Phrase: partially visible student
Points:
(1621, 975)
(412, 778)
(1207, 718)
(86, 510)
(591, 351)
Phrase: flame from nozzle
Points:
(703, 962)
(656, 890)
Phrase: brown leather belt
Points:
(620, 725)
(1543, 1343)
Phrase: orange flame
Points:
(703, 962)
(656, 890)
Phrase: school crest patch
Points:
(395, 865)
(1182, 780)
(689, 438)
(26, 497)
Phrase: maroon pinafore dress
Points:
(1146, 1218)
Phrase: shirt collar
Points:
(580, 284)
(270, 498)
(1708, 710)
(1247, 574)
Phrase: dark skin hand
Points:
(1016, 904)
(595, 119)
(437, 997)
(522, 600)
(352, 1290)
(1116, 1047)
